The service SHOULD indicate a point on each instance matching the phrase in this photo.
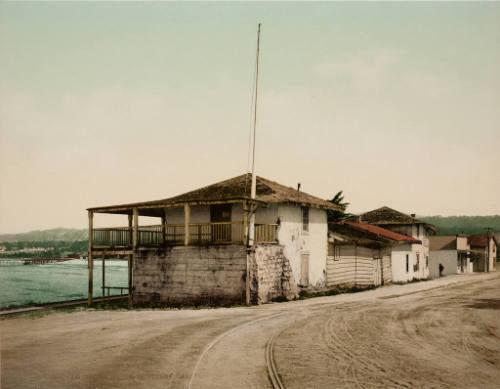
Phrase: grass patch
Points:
(411, 281)
(304, 294)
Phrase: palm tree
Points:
(338, 215)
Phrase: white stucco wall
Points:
(296, 241)
(399, 253)
(290, 233)
(492, 255)
(398, 257)
(198, 214)
(448, 258)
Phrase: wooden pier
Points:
(42, 261)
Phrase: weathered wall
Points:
(448, 258)
(398, 255)
(191, 275)
(270, 275)
(356, 266)
(198, 214)
(313, 242)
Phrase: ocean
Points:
(22, 285)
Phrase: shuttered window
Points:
(305, 219)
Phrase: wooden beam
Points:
(103, 275)
(245, 223)
(90, 259)
(187, 220)
(125, 209)
(130, 225)
(130, 279)
(163, 229)
(135, 229)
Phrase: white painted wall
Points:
(296, 241)
(198, 214)
(398, 257)
(399, 253)
(448, 258)
(290, 233)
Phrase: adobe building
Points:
(206, 247)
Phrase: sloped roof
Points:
(366, 235)
(443, 242)
(237, 188)
(386, 215)
(480, 240)
(379, 231)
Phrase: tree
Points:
(338, 215)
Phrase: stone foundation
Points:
(191, 275)
(270, 275)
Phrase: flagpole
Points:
(253, 192)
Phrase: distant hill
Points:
(446, 225)
(54, 234)
(450, 225)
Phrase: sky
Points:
(396, 104)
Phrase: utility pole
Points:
(488, 229)
(253, 193)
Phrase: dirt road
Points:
(436, 334)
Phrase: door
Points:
(304, 269)
(220, 214)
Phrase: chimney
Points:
(298, 186)
(413, 215)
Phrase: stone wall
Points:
(270, 275)
(191, 275)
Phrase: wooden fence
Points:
(357, 266)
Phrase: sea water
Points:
(22, 285)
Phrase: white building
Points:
(452, 253)
(409, 260)
(483, 252)
(198, 249)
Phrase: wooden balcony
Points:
(164, 235)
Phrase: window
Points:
(305, 219)
(426, 261)
(334, 251)
(418, 230)
(407, 263)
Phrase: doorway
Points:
(220, 214)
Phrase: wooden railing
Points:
(116, 236)
(266, 233)
(174, 234)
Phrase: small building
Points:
(411, 259)
(205, 247)
(483, 249)
(360, 254)
(452, 252)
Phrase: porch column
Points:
(187, 220)
(130, 278)
(130, 221)
(163, 228)
(135, 228)
(245, 223)
(103, 276)
(90, 258)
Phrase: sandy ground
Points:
(436, 334)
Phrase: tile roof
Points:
(379, 231)
(237, 188)
(386, 215)
(480, 240)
